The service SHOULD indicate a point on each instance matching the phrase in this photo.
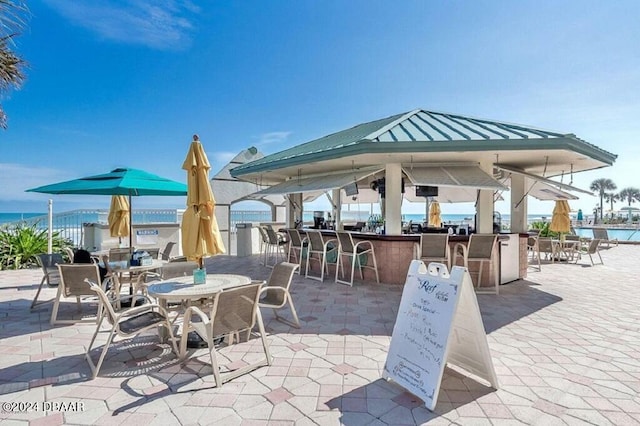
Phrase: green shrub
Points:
(544, 229)
(20, 243)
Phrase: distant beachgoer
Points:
(83, 256)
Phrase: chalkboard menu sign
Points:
(438, 322)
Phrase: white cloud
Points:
(273, 137)
(218, 160)
(15, 179)
(159, 24)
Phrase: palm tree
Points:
(610, 197)
(629, 195)
(601, 187)
(11, 65)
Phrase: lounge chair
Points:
(602, 235)
(165, 254)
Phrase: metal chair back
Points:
(316, 243)
(72, 278)
(49, 264)
(481, 246)
(166, 253)
(345, 241)
(294, 238)
(434, 246)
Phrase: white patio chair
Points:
(603, 236)
(233, 311)
(276, 292)
(49, 264)
(126, 324)
(593, 249)
(72, 284)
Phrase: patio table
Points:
(567, 249)
(182, 290)
(123, 267)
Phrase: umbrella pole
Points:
(50, 227)
(130, 225)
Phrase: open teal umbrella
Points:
(121, 181)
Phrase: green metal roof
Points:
(424, 131)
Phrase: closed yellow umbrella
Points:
(434, 214)
(200, 234)
(561, 222)
(119, 216)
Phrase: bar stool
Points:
(433, 248)
(296, 245)
(533, 251)
(275, 246)
(480, 249)
(264, 243)
(347, 248)
(317, 250)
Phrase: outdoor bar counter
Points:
(394, 253)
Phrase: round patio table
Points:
(183, 288)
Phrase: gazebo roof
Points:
(420, 136)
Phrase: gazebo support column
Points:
(336, 203)
(294, 209)
(518, 191)
(484, 207)
(393, 199)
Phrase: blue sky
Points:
(127, 82)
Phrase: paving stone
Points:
(566, 350)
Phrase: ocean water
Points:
(261, 216)
(13, 217)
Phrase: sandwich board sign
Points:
(438, 322)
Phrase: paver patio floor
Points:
(565, 343)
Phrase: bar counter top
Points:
(403, 237)
(395, 252)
